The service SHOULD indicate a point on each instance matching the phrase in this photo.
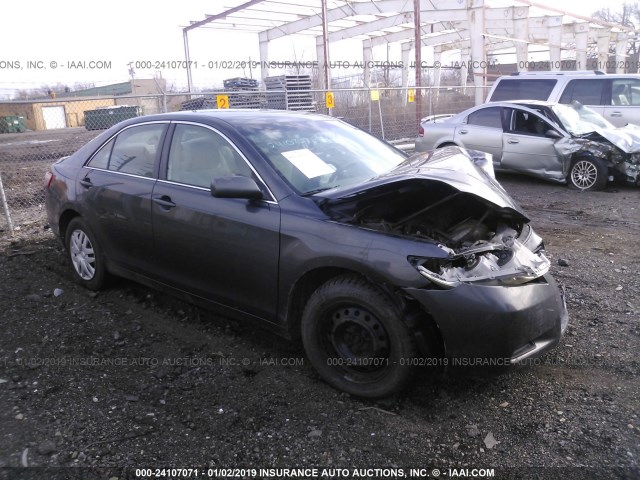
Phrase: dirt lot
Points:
(131, 378)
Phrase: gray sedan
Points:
(562, 143)
(315, 230)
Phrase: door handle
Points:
(86, 182)
(513, 140)
(462, 132)
(616, 114)
(164, 201)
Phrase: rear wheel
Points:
(588, 173)
(447, 144)
(87, 264)
(355, 338)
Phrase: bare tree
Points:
(50, 91)
(629, 16)
(83, 86)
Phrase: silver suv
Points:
(616, 97)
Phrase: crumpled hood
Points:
(626, 138)
(465, 171)
(448, 200)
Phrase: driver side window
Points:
(526, 123)
(198, 154)
(625, 92)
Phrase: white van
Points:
(616, 97)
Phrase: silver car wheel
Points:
(82, 255)
(584, 174)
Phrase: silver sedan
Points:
(563, 143)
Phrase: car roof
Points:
(238, 116)
(571, 74)
(519, 103)
(538, 103)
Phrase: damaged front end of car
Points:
(621, 147)
(481, 269)
(452, 201)
(618, 148)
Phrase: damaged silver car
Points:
(563, 143)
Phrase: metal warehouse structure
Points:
(475, 28)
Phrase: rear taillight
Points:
(421, 131)
(48, 178)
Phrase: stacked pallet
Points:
(200, 103)
(289, 92)
(240, 83)
(243, 93)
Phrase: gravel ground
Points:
(130, 378)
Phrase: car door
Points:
(482, 130)
(623, 104)
(222, 249)
(528, 147)
(115, 188)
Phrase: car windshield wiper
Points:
(317, 190)
(584, 134)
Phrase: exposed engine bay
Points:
(483, 241)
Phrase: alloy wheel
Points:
(82, 255)
(584, 174)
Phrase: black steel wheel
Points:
(355, 338)
(87, 264)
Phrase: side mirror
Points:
(236, 186)
(552, 134)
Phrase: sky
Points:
(66, 42)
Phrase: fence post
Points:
(380, 113)
(369, 96)
(5, 207)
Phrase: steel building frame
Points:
(473, 27)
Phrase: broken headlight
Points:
(502, 261)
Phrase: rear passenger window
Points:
(486, 117)
(133, 151)
(523, 89)
(585, 91)
(101, 159)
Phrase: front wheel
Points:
(355, 338)
(87, 264)
(588, 173)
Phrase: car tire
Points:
(355, 338)
(85, 255)
(588, 173)
(447, 144)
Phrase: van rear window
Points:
(523, 89)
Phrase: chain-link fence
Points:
(34, 134)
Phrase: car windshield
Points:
(314, 154)
(579, 120)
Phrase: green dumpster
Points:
(12, 124)
(105, 117)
